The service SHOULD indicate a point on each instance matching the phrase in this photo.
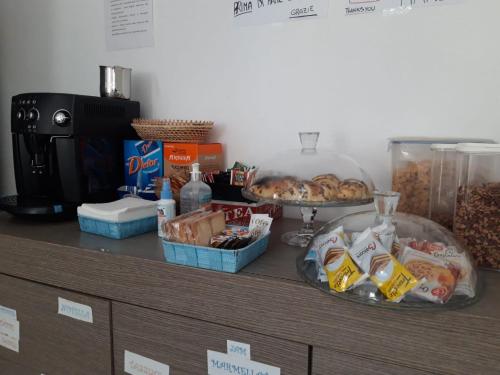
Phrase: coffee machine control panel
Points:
(42, 114)
(68, 115)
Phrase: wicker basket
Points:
(176, 131)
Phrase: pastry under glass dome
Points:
(445, 271)
(310, 178)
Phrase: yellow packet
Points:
(343, 274)
(390, 276)
(341, 271)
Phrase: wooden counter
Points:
(321, 334)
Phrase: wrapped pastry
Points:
(341, 271)
(437, 281)
(392, 278)
(457, 261)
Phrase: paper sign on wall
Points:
(357, 7)
(237, 361)
(136, 364)
(129, 24)
(259, 12)
(75, 310)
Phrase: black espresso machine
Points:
(68, 150)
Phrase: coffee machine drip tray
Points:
(37, 208)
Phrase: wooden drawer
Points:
(327, 362)
(182, 343)
(55, 344)
(11, 368)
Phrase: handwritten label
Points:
(75, 310)
(226, 364)
(9, 327)
(358, 7)
(238, 349)
(259, 12)
(136, 364)
(9, 343)
(5, 311)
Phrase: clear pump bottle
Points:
(166, 206)
(195, 193)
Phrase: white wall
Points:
(358, 80)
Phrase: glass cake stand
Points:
(309, 178)
(406, 226)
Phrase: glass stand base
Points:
(297, 238)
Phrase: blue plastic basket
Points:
(118, 231)
(214, 259)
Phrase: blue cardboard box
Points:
(143, 164)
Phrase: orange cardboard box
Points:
(178, 158)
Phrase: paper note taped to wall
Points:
(136, 364)
(259, 12)
(357, 7)
(129, 24)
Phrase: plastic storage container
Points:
(477, 212)
(120, 219)
(411, 170)
(443, 191)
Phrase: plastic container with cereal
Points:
(477, 212)
(411, 170)
(443, 191)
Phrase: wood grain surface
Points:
(325, 360)
(266, 298)
(182, 343)
(54, 344)
(12, 368)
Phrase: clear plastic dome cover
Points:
(310, 177)
(393, 260)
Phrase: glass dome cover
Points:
(310, 177)
(395, 261)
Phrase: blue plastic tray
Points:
(214, 259)
(118, 231)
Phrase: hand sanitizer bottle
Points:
(195, 193)
(166, 206)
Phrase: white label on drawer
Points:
(9, 343)
(75, 310)
(136, 364)
(9, 327)
(225, 364)
(5, 311)
(238, 349)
